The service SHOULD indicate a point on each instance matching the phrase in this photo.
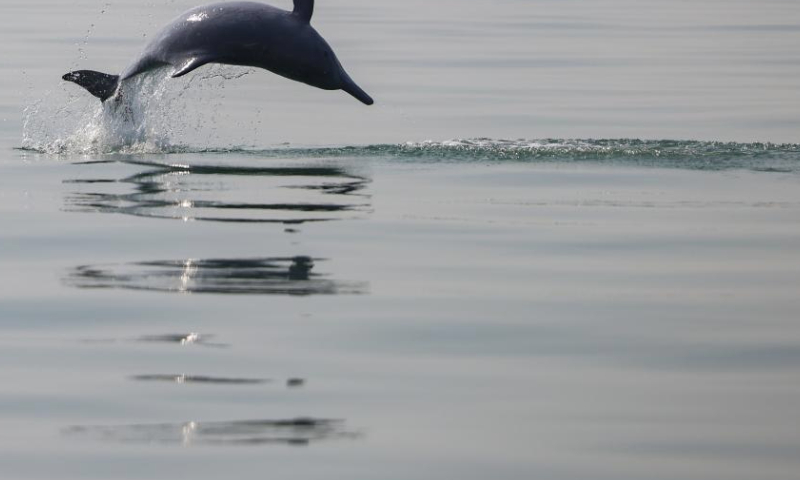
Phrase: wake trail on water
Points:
(150, 116)
(109, 138)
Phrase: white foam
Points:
(149, 116)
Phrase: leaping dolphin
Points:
(236, 33)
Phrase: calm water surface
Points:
(265, 279)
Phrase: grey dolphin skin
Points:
(236, 33)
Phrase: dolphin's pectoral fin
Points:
(304, 9)
(190, 65)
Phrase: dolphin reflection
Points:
(183, 379)
(223, 193)
(261, 276)
(298, 431)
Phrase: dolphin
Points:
(236, 33)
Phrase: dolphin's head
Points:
(322, 69)
(309, 59)
(326, 72)
(346, 83)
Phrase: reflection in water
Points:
(245, 194)
(299, 431)
(176, 338)
(181, 338)
(199, 379)
(264, 276)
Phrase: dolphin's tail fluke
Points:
(350, 87)
(101, 85)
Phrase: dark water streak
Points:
(297, 432)
(247, 276)
(198, 379)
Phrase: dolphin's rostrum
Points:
(236, 33)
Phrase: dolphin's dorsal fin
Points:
(304, 9)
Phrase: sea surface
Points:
(563, 244)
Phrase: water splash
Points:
(147, 116)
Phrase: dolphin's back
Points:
(234, 33)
